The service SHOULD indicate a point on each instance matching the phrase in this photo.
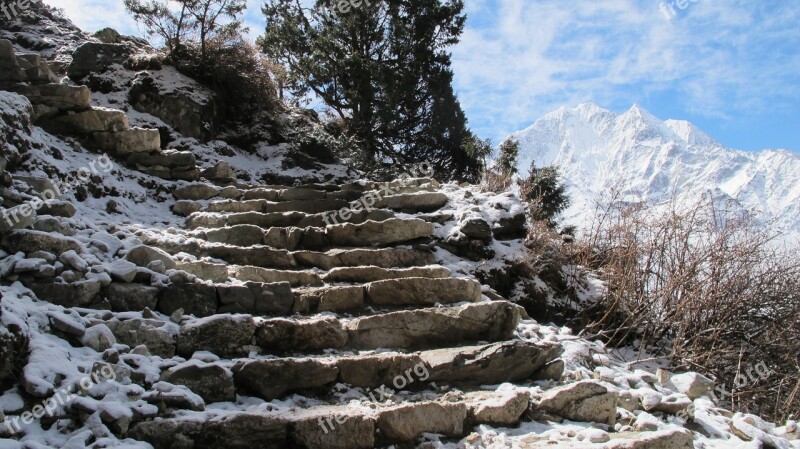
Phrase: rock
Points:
(477, 228)
(195, 192)
(72, 259)
(131, 297)
(422, 328)
(384, 258)
(509, 228)
(108, 36)
(552, 371)
(406, 422)
(372, 371)
(171, 160)
(272, 379)
(123, 143)
(489, 364)
(241, 235)
(154, 334)
(58, 209)
(415, 202)
(142, 256)
(267, 276)
(17, 217)
(191, 111)
(121, 270)
(387, 232)
(186, 208)
(99, 338)
(77, 294)
(68, 324)
(329, 299)
(332, 428)
(373, 274)
(29, 241)
(61, 97)
(256, 298)
(240, 430)
(96, 57)
(212, 272)
(261, 194)
(212, 382)
(301, 194)
(581, 401)
(281, 335)
(94, 120)
(221, 171)
(693, 385)
(308, 207)
(423, 291)
(204, 335)
(236, 207)
(10, 71)
(199, 300)
(497, 408)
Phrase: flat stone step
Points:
(266, 275)
(372, 274)
(275, 378)
(212, 220)
(351, 426)
(428, 328)
(418, 329)
(257, 255)
(383, 258)
(667, 439)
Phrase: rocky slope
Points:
(156, 294)
(652, 160)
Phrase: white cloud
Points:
(519, 59)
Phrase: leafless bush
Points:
(707, 286)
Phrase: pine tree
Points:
(506, 165)
(383, 67)
(545, 194)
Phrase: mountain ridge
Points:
(654, 160)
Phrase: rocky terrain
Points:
(162, 287)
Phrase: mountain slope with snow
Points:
(652, 160)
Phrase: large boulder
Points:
(241, 430)
(373, 274)
(78, 294)
(383, 258)
(131, 297)
(10, 71)
(190, 109)
(97, 57)
(414, 202)
(372, 371)
(332, 428)
(497, 408)
(143, 256)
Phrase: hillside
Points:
(167, 283)
(651, 160)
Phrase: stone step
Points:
(301, 278)
(382, 257)
(675, 438)
(352, 426)
(337, 205)
(417, 329)
(372, 274)
(496, 363)
(212, 220)
(371, 233)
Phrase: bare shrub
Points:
(706, 286)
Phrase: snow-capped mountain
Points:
(654, 160)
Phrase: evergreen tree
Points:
(545, 194)
(506, 165)
(383, 67)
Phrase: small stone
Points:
(176, 316)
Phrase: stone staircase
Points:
(67, 110)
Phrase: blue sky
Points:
(732, 67)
